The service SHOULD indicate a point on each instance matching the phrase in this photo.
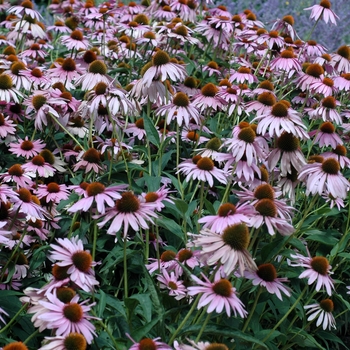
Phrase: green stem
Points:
(203, 327)
(184, 320)
(31, 336)
(125, 272)
(94, 242)
(286, 315)
(251, 312)
(67, 132)
(13, 319)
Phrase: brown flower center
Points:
(129, 203)
(331, 166)
(264, 191)
(82, 261)
(73, 312)
(266, 207)
(75, 341)
(267, 272)
(236, 236)
(223, 288)
(320, 265)
(205, 163)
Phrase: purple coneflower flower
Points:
(171, 282)
(323, 310)
(288, 152)
(280, 119)
(128, 211)
(266, 276)
(180, 110)
(228, 214)
(323, 10)
(324, 176)
(162, 68)
(317, 270)
(326, 135)
(98, 193)
(202, 168)
(70, 253)
(148, 343)
(72, 340)
(229, 247)
(16, 174)
(67, 318)
(217, 295)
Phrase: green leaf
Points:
(151, 131)
(323, 238)
(146, 305)
(102, 302)
(226, 332)
(171, 226)
(181, 205)
(142, 331)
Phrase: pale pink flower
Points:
(148, 343)
(38, 166)
(217, 295)
(323, 312)
(68, 71)
(340, 154)
(323, 10)
(180, 109)
(324, 176)
(340, 60)
(25, 204)
(40, 105)
(96, 192)
(243, 75)
(67, 318)
(285, 25)
(327, 111)
(155, 199)
(18, 176)
(326, 87)
(286, 62)
(89, 160)
(229, 248)
(246, 146)
(342, 82)
(70, 253)
(7, 92)
(26, 148)
(171, 282)
(75, 41)
(64, 342)
(202, 168)
(266, 276)
(162, 68)
(326, 135)
(208, 98)
(188, 258)
(280, 119)
(128, 211)
(167, 261)
(96, 73)
(52, 192)
(317, 270)
(289, 154)
(267, 213)
(228, 214)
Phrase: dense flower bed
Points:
(173, 176)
